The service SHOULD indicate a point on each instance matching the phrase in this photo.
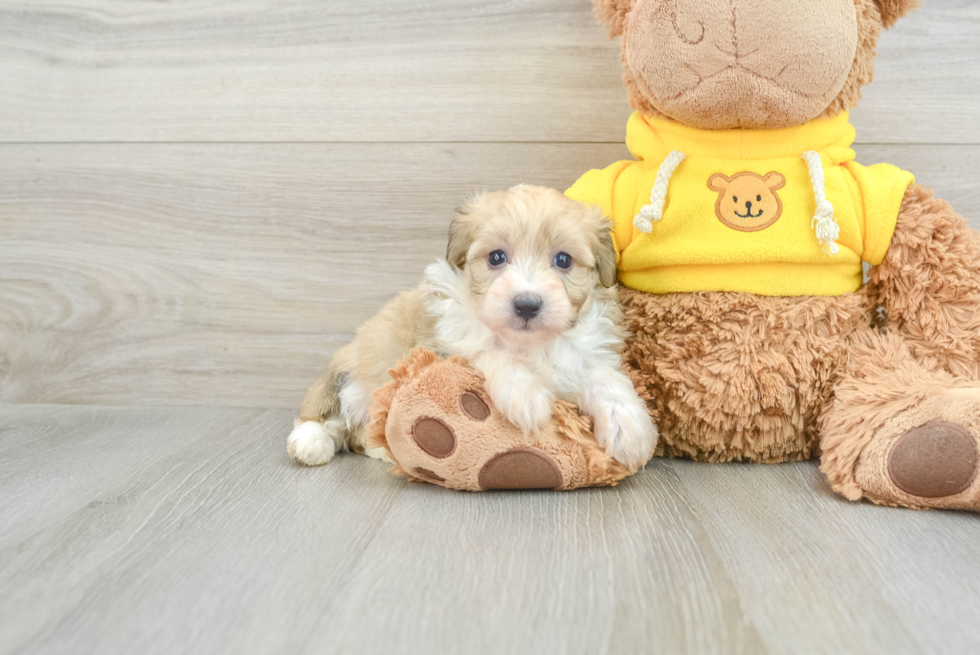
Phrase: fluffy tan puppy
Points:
(527, 293)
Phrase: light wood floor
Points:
(163, 530)
(201, 200)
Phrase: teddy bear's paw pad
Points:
(934, 460)
(520, 468)
(474, 407)
(434, 437)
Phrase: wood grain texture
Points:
(228, 274)
(379, 70)
(873, 580)
(160, 530)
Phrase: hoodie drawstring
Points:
(823, 223)
(826, 227)
(653, 212)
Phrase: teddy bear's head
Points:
(722, 64)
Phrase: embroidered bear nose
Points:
(527, 305)
(748, 205)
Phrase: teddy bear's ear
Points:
(775, 181)
(719, 182)
(613, 14)
(892, 10)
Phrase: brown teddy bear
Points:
(753, 335)
(741, 230)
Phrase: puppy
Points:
(527, 294)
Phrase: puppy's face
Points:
(532, 258)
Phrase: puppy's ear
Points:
(605, 255)
(460, 232)
(613, 14)
(892, 10)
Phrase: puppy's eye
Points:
(497, 258)
(563, 261)
(736, 198)
(758, 198)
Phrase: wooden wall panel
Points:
(228, 274)
(382, 71)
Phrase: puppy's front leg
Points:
(623, 426)
(518, 393)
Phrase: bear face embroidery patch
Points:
(748, 202)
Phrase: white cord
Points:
(827, 229)
(653, 212)
(824, 224)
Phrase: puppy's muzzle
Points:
(527, 306)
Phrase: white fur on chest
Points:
(562, 362)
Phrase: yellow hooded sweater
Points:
(772, 212)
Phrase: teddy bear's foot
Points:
(438, 424)
(934, 460)
(927, 457)
(517, 468)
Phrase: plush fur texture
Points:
(892, 10)
(750, 64)
(884, 392)
(871, 15)
(426, 386)
(762, 379)
(929, 283)
(738, 377)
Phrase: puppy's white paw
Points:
(527, 404)
(379, 453)
(531, 410)
(626, 432)
(314, 444)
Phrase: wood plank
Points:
(163, 541)
(783, 535)
(79, 448)
(228, 274)
(382, 71)
(620, 571)
(189, 530)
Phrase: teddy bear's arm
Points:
(929, 283)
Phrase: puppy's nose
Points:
(527, 305)
(748, 205)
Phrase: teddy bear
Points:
(784, 302)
